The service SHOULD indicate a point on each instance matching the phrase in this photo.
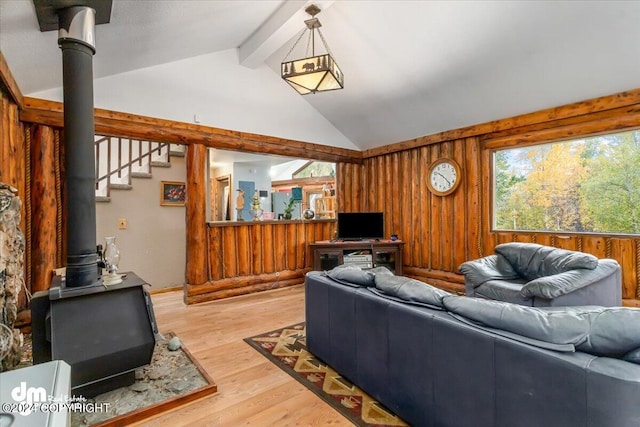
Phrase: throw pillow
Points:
(409, 289)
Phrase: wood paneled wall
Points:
(13, 153)
(246, 257)
(14, 170)
(442, 232)
(46, 196)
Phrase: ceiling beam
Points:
(277, 30)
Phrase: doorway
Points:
(221, 198)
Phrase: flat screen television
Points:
(360, 225)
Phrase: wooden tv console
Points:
(383, 253)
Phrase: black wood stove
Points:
(104, 333)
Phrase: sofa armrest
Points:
(551, 287)
(492, 267)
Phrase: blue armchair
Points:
(543, 276)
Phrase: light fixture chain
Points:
(295, 44)
(310, 47)
(324, 42)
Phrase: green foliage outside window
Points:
(589, 185)
(316, 169)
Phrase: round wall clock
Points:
(444, 177)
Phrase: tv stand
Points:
(366, 253)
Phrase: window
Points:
(589, 185)
(315, 169)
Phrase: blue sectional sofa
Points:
(442, 360)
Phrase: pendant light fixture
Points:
(312, 73)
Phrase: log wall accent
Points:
(8, 83)
(13, 154)
(114, 123)
(250, 256)
(14, 163)
(196, 215)
(442, 232)
(43, 194)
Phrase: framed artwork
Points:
(172, 193)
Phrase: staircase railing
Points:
(126, 165)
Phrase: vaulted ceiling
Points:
(412, 68)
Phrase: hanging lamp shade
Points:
(313, 73)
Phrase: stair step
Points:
(103, 199)
(173, 153)
(160, 164)
(120, 186)
(145, 175)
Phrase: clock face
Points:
(444, 177)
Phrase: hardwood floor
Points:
(251, 390)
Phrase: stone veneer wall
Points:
(12, 246)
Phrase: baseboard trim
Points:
(165, 290)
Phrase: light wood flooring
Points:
(251, 390)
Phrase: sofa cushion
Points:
(381, 271)
(531, 260)
(504, 290)
(409, 289)
(614, 331)
(550, 287)
(349, 274)
(527, 321)
(482, 270)
(352, 275)
(633, 356)
(602, 331)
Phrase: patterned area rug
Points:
(287, 349)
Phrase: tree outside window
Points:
(589, 185)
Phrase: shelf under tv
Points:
(328, 254)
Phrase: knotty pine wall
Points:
(442, 232)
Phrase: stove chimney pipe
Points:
(76, 39)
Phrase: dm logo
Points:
(29, 396)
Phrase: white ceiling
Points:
(412, 68)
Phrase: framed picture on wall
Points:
(172, 193)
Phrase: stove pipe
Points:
(76, 39)
(104, 333)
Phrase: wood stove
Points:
(104, 333)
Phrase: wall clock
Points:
(444, 177)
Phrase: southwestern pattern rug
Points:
(286, 348)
